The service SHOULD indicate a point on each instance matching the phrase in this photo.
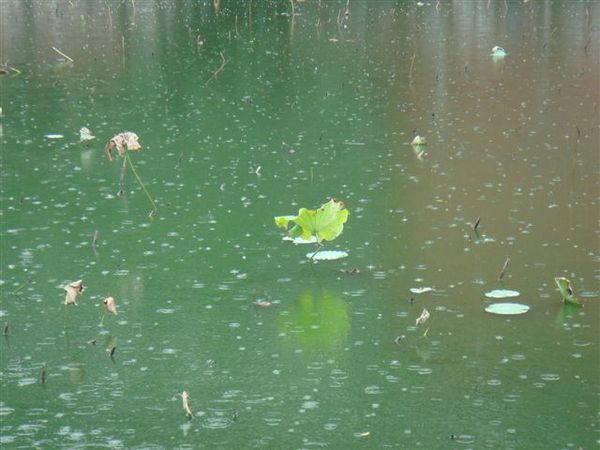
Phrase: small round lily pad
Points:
(502, 293)
(507, 308)
(327, 255)
(299, 240)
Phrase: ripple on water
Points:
(550, 377)
(26, 381)
(373, 390)
(217, 422)
(5, 410)
(4, 439)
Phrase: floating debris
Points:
(423, 317)
(6, 329)
(110, 305)
(53, 136)
(504, 267)
(85, 134)
(421, 290)
(111, 351)
(476, 224)
(120, 141)
(263, 303)
(185, 397)
(568, 295)
(507, 308)
(353, 271)
(498, 52)
(419, 140)
(72, 291)
(43, 375)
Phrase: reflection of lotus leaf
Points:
(317, 321)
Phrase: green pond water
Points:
(250, 110)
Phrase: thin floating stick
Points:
(412, 63)
(154, 208)
(503, 271)
(62, 54)
(6, 328)
(476, 224)
(94, 239)
(218, 71)
(43, 375)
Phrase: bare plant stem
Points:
(412, 64)
(504, 267)
(319, 248)
(122, 178)
(62, 54)
(154, 208)
(218, 71)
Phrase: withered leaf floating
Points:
(423, 317)
(185, 397)
(72, 291)
(110, 305)
(120, 141)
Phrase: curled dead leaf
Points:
(110, 305)
(185, 399)
(120, 141)
(423, 317)
(72, 291)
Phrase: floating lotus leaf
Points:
(568, 295)
(85, 134)
(327, 255)
(299, 240)
(507, 308)
(498, 51)
(419, 140)
(502, 293)
(325, 223)
(421, 290)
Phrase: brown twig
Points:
(503, 271)
(219, 70)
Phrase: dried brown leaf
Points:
(110, 305)
(72, 291)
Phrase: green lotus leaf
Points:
(325, 223)
(564, 285)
